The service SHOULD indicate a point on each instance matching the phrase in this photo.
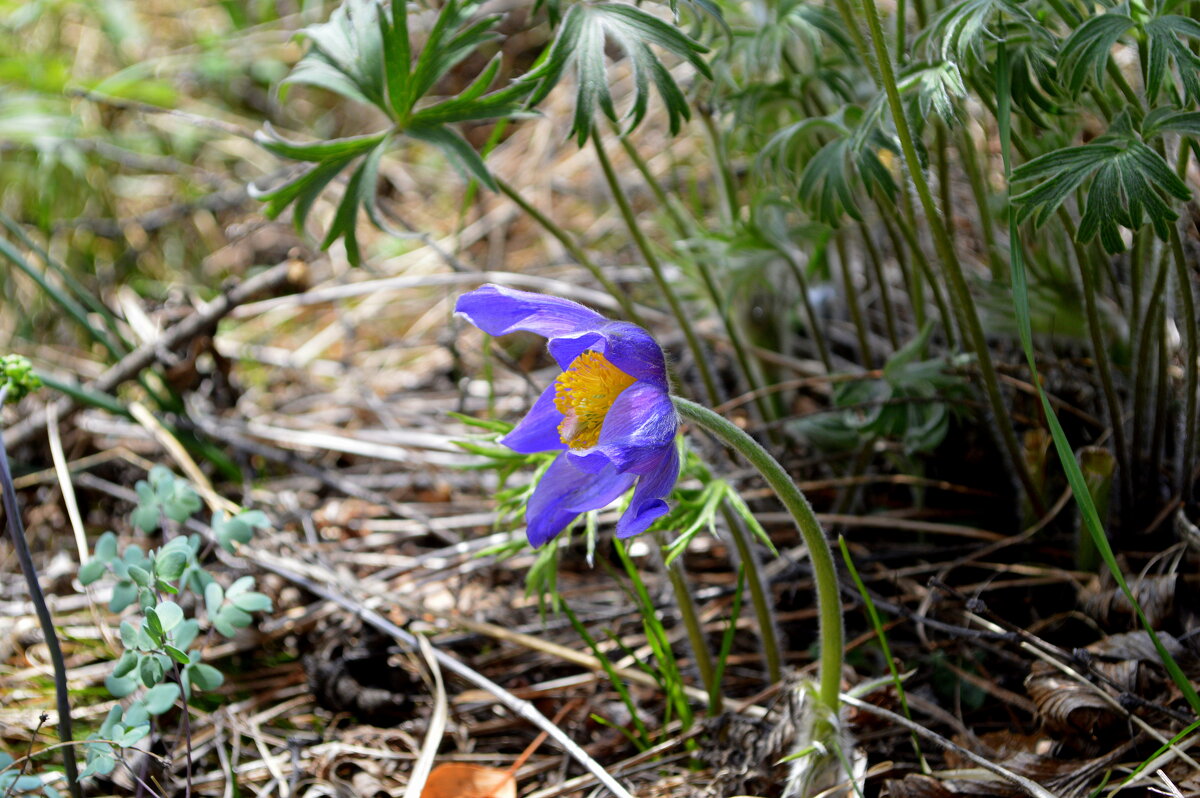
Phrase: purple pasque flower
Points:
(609, 413)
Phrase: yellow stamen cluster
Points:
(583, 394)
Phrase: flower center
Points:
(583, 394)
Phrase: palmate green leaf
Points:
(846, 162)
(1165, 42)
(317, 151)
(960, 30)
(581, 43)
(931, 87)
(1130, 182)
(1166, 120)
(365, 53)
(1087, 49)
(456, 149)
(347, 54)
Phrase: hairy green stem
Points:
(852, 301)
(810, 313)
(643, 245)
(979, 190)
(885, 293)
(62, 692)
(945, 248)
(829, 605)
(1191, 352)
(1099, 349)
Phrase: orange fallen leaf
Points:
(461, 780)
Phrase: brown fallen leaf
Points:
(462, 780)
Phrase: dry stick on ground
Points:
(519, 707)
(146, 355)
(1030, 787)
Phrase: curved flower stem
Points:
(829, 605)
(643, 245)
(61, 690)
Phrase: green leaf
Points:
(397, 58)
(176, 654)
(214, 597)
(252, 602)
(460, 154)
(151, 671)
(153, 627)
(1165, 42)
(1130, 182)
(235, 617)
(170, 565)
(92, 570)
(169, 615)
(205, 677)
(1086, 50)
(932, 88)
(127, 662)
(124, 593)
(360, 191)
(962, 27)
(139, 575)
(443, 49)
(346, 55)
(106, 547)
(1171, 120)
(120, 686)
(581, 42)
(146, 516)
(161, 698)
(318, 151)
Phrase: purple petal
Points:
(563, 493)
(627, 346)
(647, 504)
(638, 427)
(498, 311)
(538, 431)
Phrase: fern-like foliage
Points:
(1130, 184)
(364, 53)
(580, 43)
(848, 161)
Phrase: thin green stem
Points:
(979, 190)
(1191, 352)
(759, 600)
(17, 533)
(810, 313)
(945, 248)
(729, 206)
(829, 605)
(881, 636)
(573, 248)
(751, 367)
(1099, 347)
(695, 631)
(643, 245)
(853, 301)
(683, 225)
(885, 293)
